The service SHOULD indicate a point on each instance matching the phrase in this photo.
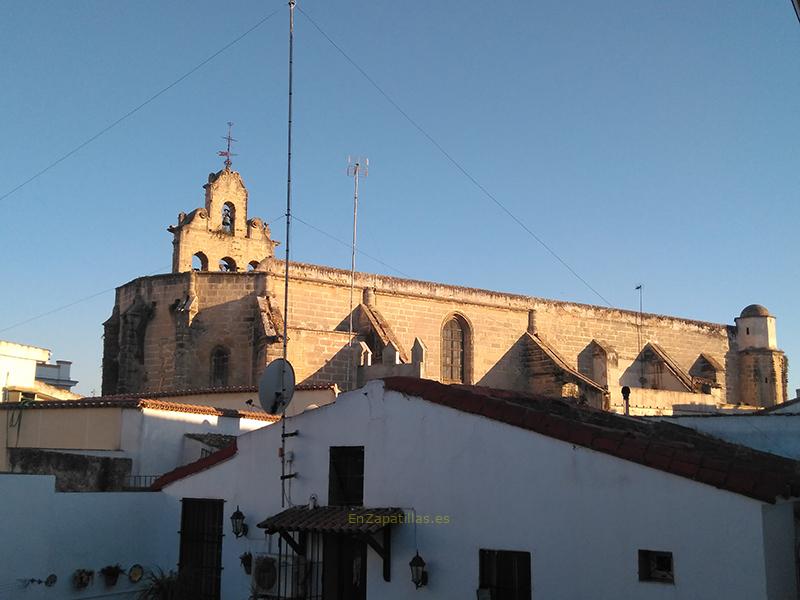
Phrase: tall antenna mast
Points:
(286, 264)
(642, 380)
(355, 169)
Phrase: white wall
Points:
(775, 433)
(46, 532)
(581, 514)
(18, 364)
(155, 438)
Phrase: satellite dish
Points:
(276, 386)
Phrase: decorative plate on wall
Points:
(135, 573)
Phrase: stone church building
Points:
(217, 320)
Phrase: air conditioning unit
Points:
(279, 577)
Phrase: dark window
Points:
(655, 565)
(200, 562)
(453, 351)
(505, 575)
(220, 357)
(346, 476)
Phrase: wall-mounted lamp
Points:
(237, 523)
(419, 576)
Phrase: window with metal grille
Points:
(656, 565)
(200, 558)
(346, 476)
(220, 357)
(505, 575)
(453, 338)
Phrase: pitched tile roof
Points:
(657, 444)
(215, 440)
(195, 467)
(333, 519)
(140, 403)
(238, 389)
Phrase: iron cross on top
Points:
(227, 153)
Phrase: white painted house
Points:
(503, 495)
(775, 429)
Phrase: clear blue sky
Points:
(645, 141)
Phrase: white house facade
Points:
(501, 495)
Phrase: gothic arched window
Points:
(220, 359)
(454, 350)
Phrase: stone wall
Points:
(73, 472)
(319, 306)
(194, 312)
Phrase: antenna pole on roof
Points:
(639, 339)
(355, 168)
(286, 263)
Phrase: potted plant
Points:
(247, 562)
(163, 586)
(81, 578)
(111, 573)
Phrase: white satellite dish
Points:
(276, 386)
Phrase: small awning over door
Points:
(358, 522)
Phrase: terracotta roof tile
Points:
(195, 467)
(113, 402)
(656, 444)
(333, 519)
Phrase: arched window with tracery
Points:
(220, 366)
(455, 340)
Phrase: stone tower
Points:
(220, 236)
(763, 367)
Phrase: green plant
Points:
(111, 573)
(164, 586)
(82, 578)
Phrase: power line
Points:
(348, 245)
(65, 306)
(105, 291)
(796, 6)
(450, 157)
(137, 108)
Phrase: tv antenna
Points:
(356, 168)
(227, 153)
(284, 364)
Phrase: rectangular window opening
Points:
(504, 575)
(346, 476)
(656, 565)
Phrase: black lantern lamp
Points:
(238, 524)
(419, 576)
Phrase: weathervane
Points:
(227, 153)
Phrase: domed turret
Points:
(755, 310)
(762, 366)
(755, 328)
